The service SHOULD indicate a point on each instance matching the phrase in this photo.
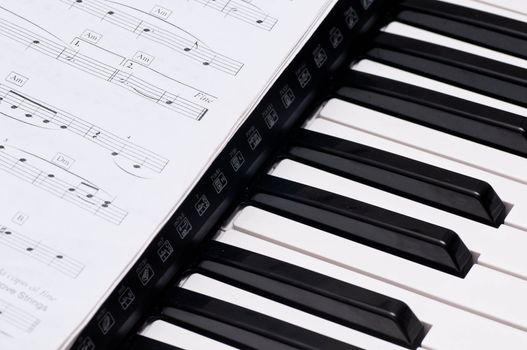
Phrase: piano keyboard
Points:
(394, 217)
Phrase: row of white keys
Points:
(432, 147)
(451, 328)
(425, 35)
(500, 248)
(513, 9)
(483, 291)
(180, 337)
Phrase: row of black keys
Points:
(419, 241)
(325, 297)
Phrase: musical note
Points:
(181, 43)
(41, 252)
(243, 11)
(31, 111)
(17, 317)
(77, 194)
(102, 70)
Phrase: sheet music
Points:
(110, 110)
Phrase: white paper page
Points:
(109, 112)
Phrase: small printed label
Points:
(126, 298)
(145, 273)
(63, 161)
(351, 17)
(303, 76)
(335, 37)
(86, 344)
(320, 56)
(287, 96)
(91, 36)
(183, 226)
(20, 218)
(237, 160)
(202, 205)
(17, 79)
(270, 116)
(143, 58)
(366, 3)
(219, 181)
(106, 322)
(253, 138)
(161, 12)
(165, 250)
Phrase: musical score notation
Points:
(183, 44)
(29, 110)
(82, 194)
(41, 252)
(243, 11)
(101, 70)
(17, 317)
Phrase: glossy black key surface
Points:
(474, 26)
(317, 294)
(444, 189)
(441, 63)
(240, 327)
(483, 124)
(138, 342)
(409, 238)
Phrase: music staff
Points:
(41, 252)
(102, 70)
(17, 317)
(183, 44)
(32, 111)
(243, 11)
(81, 194)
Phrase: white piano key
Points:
(180, 337)
(427, 36)
(451, 328)
(483, 291)
(514, 9)
(216, 289)
(439, 149)
(500, 248)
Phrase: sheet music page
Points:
(109, 113)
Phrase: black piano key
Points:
(138, 342)
(478, 27)
(472, 72)
(240, 327)
(326, 297)
(444, 189)
(483, 124)
(397, 234)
